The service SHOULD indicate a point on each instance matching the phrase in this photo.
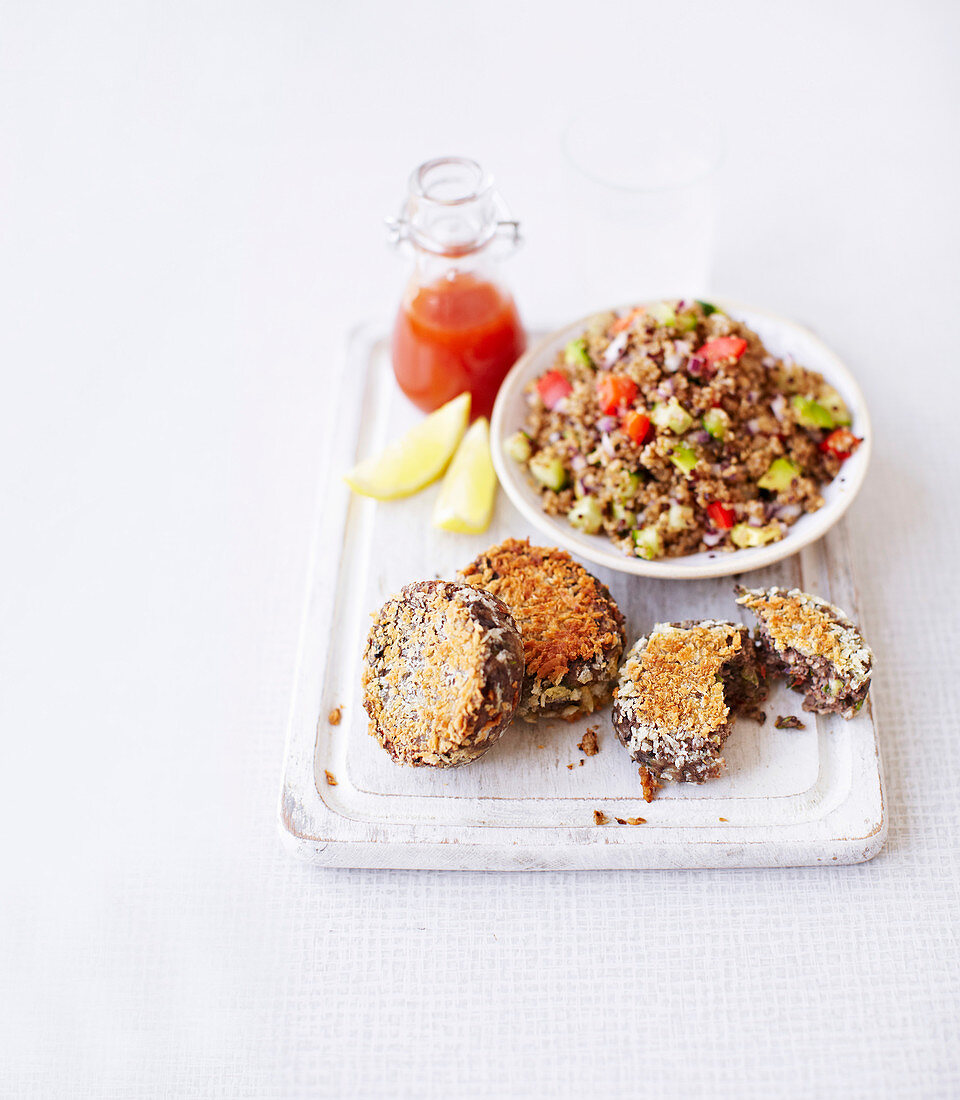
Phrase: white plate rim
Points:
(597, 548)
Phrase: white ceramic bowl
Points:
(782, 338)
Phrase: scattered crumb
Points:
(631, 821)
(335, 715)
(581, 763)
(541, 746)
(760, 716)
(723, 819)
(588, 746)
(649, 784)
(789, 722)
(331, 778)
(599, 817)
(569, 767)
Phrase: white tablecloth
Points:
(189, 205)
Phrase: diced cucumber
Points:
(626, 485)
(549, 471)
(575, 354)
(586, 515)
(647, 542)
(835, 405)
(745, 536)
(679, 517)
(687, 320)
(717, 423)
(672, 416)
(622, 514)
(518, 447)
(684, 458)
(663, 313)
(811, 414)
(706, 307)
(779, 476)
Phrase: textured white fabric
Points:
(189, 213)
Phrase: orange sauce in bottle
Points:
(458, 333)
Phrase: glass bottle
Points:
(457, 327)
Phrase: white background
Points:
(190, 204)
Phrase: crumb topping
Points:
(425, 670)
(563, 613)
(814, 628)
(674, 679)
(446, 645)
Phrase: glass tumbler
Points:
(640, 177)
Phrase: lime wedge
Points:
(418, 458)
(466, 496)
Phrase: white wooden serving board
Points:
(787, 798)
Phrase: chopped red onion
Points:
(615, 349)
(778, 406)
(578, 463)
(700, 437)
(768, 361)
(788, 512)
(753, 425)
(607, 423)
(712, 538)
(672, 362)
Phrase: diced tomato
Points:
(553, 387)
(623, 323)
(614, 390)
(723, 347)
(841, 443)
(722, 516)
(636, 425)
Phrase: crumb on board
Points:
(723, 819)
(631, 821)
(789, 722)
(541, 746)
(331, 778)
(581, 763)
(588, 746)
(759, 716)
(335, 715)
(569, 767)
(649, 784)
(599, 817)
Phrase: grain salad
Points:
(672, 430)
